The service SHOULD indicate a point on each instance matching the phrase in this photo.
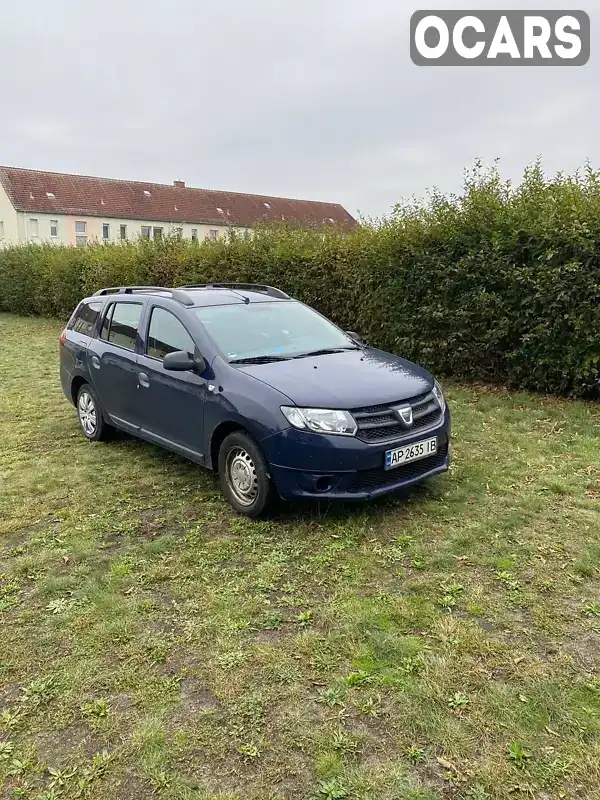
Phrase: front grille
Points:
(380, 423)
(367, 480)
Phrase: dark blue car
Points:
(245, 380)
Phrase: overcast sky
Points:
(305, 98)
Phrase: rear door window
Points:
(85, 318)
(167, 334)
(121, 323)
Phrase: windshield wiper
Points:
(259, 359)
(326, 351)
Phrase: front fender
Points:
(241, 401)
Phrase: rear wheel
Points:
(244, 475)
(89, 414)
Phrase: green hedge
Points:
(500, 283)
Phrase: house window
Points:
(1, 230)
(54, 228)
(105, 231)
(213, 234)
(178, 232)
(157, 233)
(33, 228)
(123, 232)
(146, 230)
(194, 233)
(81, 233)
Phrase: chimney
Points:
(179, 184)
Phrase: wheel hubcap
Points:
(241, 476)
(87, 413)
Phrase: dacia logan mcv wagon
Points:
(247, 381)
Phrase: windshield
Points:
(271, 331)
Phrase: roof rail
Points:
(177, 294)
(271, 291)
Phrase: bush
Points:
(500, 284)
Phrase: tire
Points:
(244, 475)
(90, 416)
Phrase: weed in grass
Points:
(59, 606)
(304, 618)
(332, 697)
(60, 778)
(40, 691)
(478, 792)
(358, 678)
(371, 706)
(249, 751)
(19, 767)
(343, 742)
(6, 750)
(332, 789)
(9, 596)
(92, 772)
(546, 586)
(591, 610)
(518, 754)
(272, 622)
(458, 701)
(506, 578)
(416, 754)
(9, 719)
(97, 709)
(411, 665)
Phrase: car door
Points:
(113, 362)
(173, 402)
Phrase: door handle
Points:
(95, 362)
(143, 380)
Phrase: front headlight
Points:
(439, 395)
(320, 420)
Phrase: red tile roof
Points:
(78, 195)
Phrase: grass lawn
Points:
(437, 645)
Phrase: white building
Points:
(40, 206)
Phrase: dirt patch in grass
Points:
(130, 787)
(60, 748)
(196, 698)
(9, 693)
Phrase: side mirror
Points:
(355, 336)
(180, 361)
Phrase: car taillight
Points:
(63, 336)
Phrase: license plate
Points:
(411, 452)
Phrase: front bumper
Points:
(322, 467)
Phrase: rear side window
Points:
(166, 334)
(120, 325)
(85, 318)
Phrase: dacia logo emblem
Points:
(405, 413)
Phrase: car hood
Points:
(351, 379)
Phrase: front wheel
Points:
(244, 475)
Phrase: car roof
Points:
(197, 296)
(226, 297)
